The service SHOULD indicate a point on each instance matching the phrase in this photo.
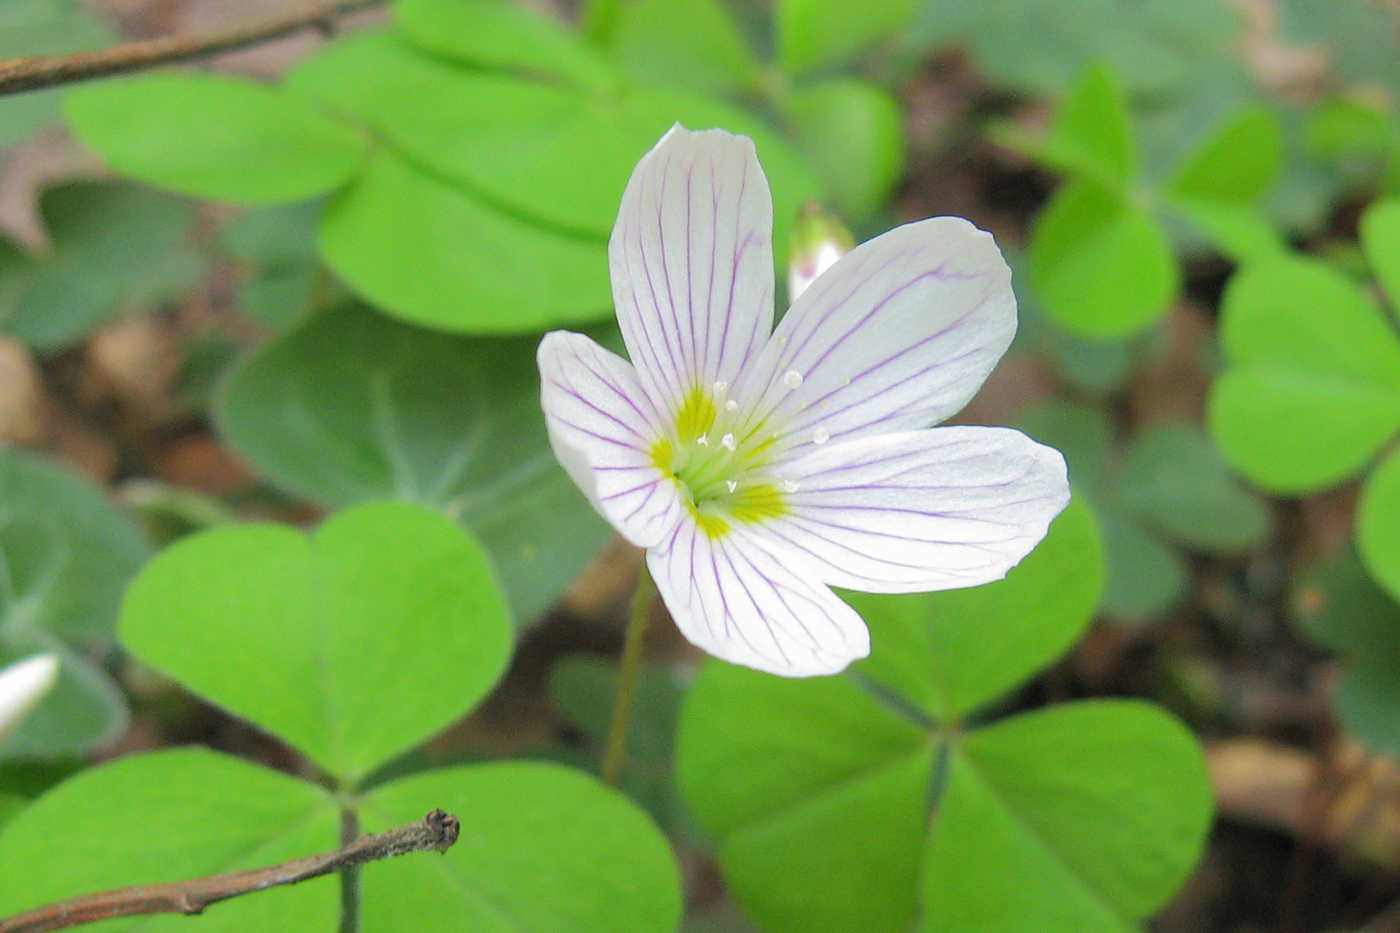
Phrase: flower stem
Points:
(637, 621)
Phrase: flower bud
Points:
(818, 240)
(22, 685)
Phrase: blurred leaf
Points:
(1100, 266)
(286, 233)
(1360, 37)
(279, 294)
(41, 27)
(853, 134)
(1304, 200)
(1174, 479)
(1236, 165)
(816, 33)
(1239, 232)
(1360, 137)
(1143, 577)
(340, 637)
(1081, 433)
(208, 354)
(30, 778)
(215, 136)
(954, 651)
(1343, 126)
(280, 244)
(501, 34)
(1172, 128)
(543, 849)
(545, 153)
(1313, 384)
(16, 268)
(1081, 817)
(693, 44)
(1342, 608)
(352, 406)
(1368, 704)
(1218, 185)
(1090, 135)
(1097, 366)
(171, 511)
(548, 152)
(585, 687)
(1378, 524)
(427, 252)
(67, 554)
(169, 815)
(1380, 238)
(1040, 46)
(10, 806)
(114, 248)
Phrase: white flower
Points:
(22, 685)
(758, 470)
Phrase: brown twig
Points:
(437, 830)
(29, 74)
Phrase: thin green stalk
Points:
(637, 621)
(349, 875)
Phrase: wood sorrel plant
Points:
(769, 467)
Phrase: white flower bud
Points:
(22, 685)
(818, 241)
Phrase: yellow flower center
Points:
(719, 463)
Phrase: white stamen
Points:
(721, 387)
(787, 485)
(703, 440)
(727, 442)
(792, 379)
(731, 405)
(820, 436)
(731, 484)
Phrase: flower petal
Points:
(921, 510)
(692, 262)
(732, 598)
(603, 426)
(899, 334)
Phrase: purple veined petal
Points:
(732, 598)
(899, 334)
(691, 259)
(602, 426)
(922, 510)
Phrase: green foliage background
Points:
(397, 219)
